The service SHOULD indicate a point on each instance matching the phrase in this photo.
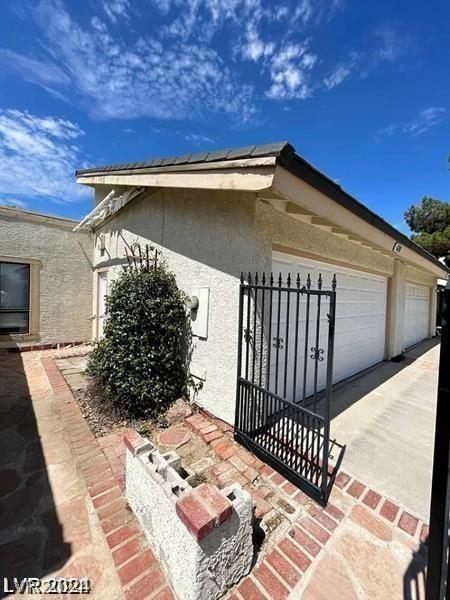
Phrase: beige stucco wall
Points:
(417, 276)
(206, 239)
(276, 227)
(64, 276)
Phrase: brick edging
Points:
(135, 562)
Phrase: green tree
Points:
(430, 222)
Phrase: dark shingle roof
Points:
(276, 149)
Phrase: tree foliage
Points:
(143, 355)
(430, 222)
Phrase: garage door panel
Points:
(360, 323)
(417, 310)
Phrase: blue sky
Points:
(361, 89)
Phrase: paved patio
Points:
(386, 420)
(63, 510)
(62, 513)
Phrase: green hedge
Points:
(143, 355)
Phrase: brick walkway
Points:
(62, 509)
(362, 546)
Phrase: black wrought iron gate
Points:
(285, 369)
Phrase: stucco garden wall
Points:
(64, 272)
(206, 238)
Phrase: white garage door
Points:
(360, 322)
(417, 310)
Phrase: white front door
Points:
(360, 321)
(102, 291)
(417, 312)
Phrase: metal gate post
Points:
(437, 573)
(330, 357)
(239, 354)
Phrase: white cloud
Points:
(114, 79)
(289, 71)
(197, 139)
(390, 44)
(341, 72)
(304, 11)
(38, 156)
(254, 48)
(425, 120)
(181, 68)
(45, 74)
(116, 10)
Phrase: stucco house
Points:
(45, 281)
(260, 209)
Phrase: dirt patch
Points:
(101, 415)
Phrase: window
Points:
(14, 298)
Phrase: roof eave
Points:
(318, 180)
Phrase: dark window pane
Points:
(14, 286)
(13, 322)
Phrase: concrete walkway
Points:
(386, 420)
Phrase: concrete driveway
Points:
(385, 418)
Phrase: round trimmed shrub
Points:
(142, 357)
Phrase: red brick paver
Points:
(389, 510)
(408, 523)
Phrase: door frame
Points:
(102, 272)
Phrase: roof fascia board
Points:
(243, 178)
(204, 166)
(300, 192)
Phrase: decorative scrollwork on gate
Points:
(248, 335)
(317, 353)
(278, 342)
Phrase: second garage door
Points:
(417, 311)
(360, 317)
